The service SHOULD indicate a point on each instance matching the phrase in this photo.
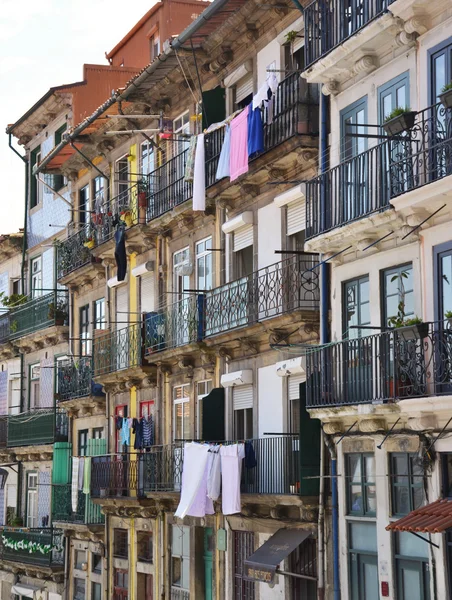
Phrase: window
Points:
(60, 361)
(360, 481)
(85, 342)
(446, 467)
(203, 389)
(397, 288)
(204, 264)
(83, 205)
(14, 394)
(98, 191)
(147, 408)
(59, 180)
(82, 442)
(32, 499)
(147, 158)
(180, 557)
(412, 569)
(145, 546)
(122, 182)
(35, 386)
(16, 286)
(293, 395)
(35, 186)
(407, 483)
(356, 306)
(120, 543)
(242, 401)
(154, 47)
(393, 94)
(96, 591)
(96, 563)
(181, 270)
(441, 69)
(100, 321)
(145, 586)
(121, 584)
(98, 433)
(243, 548)
(121, 411)
(443, 273)
(181, 406)
(363, 561)
(36, 276)
(303, 561)
(243, 262)
(79, 559)
(79, 588)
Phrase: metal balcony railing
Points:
(328, 23)
(178, 594)
(160, 470)
(177, 325)
(389, 366)
(279, 288)
(38, 426)
(74, 378)
(39, 546)
(39, 313)
(4, 328)
(367, 182)
(3, 431)
(87, 512)
(117, 350)
(73, 253)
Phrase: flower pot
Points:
(142, 200)
(303, 127)
(446, 98)
(400, 123)
(413, 332)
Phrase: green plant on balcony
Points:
(448, 315)
(13, 326)
(58, 312)
(16, 521)
(13, 300)
(446, 95)
(413, 327)
(399, 119)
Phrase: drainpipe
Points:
(24, 242)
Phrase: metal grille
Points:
(116, 350)
(121, 543)
(243, 548)
(72, 253)
(39, 313)
(303, 561)
(74, 378)
(39, 426)
(45, 536)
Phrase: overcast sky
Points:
(44, 43)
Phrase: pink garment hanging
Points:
(238, 157)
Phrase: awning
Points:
(262, 565)
(432, 518)
(27, 591)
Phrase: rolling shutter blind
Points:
(242, 397)
(298, 42)
(296, 217)
(122, 316)
(147, 292)
(243, 237)
(244, 87)
(294, 386)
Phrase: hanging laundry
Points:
(137, 428)
(120, 252)
(195, 461)
(255, 133)
(87, 475)
(118, 422)
(238, 157)
(202, 505)
(74, 483)
(190, 163)
(250, 456)
(214, 476)
(231, 470)
(223, 161)
(125, 432)
(199, 180)
(272, 89)
(81, 472)
(260, 96)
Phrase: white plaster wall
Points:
(268, 235)
(276, 592)
(48, 269)
(271, 417)
(372, 266)
(271, 53)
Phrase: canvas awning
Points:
(262, 565)
(27, 591)
(432, 518)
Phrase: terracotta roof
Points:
(134, 29)
(432, 518)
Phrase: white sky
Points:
(44, 43)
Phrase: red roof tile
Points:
(432, 518)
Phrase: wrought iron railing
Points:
(3, 431)
(74, 252)
(38, 426)
(213, 143)
(4, 328)
(87, 513)
(328, 23)
(389, 366)
(37, 546)
(39, 313)
(178, 594)
(74, 378)
(167, 185)
(275, 470)
(179, 324)
(289, 285)
(117, 350)
(349, 191)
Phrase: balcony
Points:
(160, 470)
(120, 350)
(74, 253)
(74, 379)
(376, 179)
(87, 512)
(386, 367)
(177, 594)
(36, 427)
(43, 547)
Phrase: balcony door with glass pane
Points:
(443, 328)
(353, 192)
(441, 118)
(181, 325)
(36, 277)
(122, 184)
(32, 500)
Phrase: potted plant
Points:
(446, 95)
(142, 189)
(58, 312)
(448, 315)
(17, 521)
(412, 328)
(13, 326)
(399, 119)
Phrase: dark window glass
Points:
(120, 543)
(360, 478)
(407, 483)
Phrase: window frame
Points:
(33, 379)
(123, 550)
(204, 256)
(422, 564)
(199, 397)
(357, 281)
(36, 292)
(365, 484)
(182, 557)
(82, 446)
(83, 325)
(396, 269)
(99, 319)
(35, 185)
(82, 581)
(393, 85)
(410, 485)
(182, 401)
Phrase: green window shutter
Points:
(96, 447)
(93, 514)
(213, 415)
(214, 106)
(309, 449)
(61, 467)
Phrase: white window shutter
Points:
(243, 237)
(122, 307)
(294, 386)
(296, 217)
(242, 397)
(244, 87)
(147, 292)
